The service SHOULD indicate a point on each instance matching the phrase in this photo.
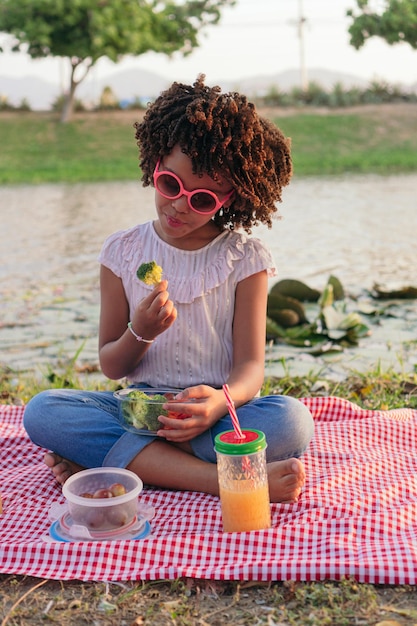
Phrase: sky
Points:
(259, 38)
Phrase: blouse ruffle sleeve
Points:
(229, 254)
(111, 254)
(190, 273)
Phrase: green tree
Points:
(83, 31)
(395, 21)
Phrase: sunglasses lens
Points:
(203, 202)
(168, 185)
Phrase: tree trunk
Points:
(69, 99)
(68, 104)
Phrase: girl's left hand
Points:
(200, 407)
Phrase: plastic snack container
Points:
(107, 512)
(139, 408)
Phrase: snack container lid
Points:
(229, 443)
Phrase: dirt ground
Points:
(32, 602)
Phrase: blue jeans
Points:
(84, 427)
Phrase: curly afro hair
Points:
(222, 134)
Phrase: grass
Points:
(26, 601)
(94, 147)
(37, 148)
(375, 389)
(357, 143)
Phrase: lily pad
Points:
(404, 293)
(335, 319)
(333, 328)
(277, 303)
(368, 309)
(326, 347)
(338, 291)
(327, 298)
(295, 289)
(273, 330)
(287, 317)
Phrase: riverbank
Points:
(101, 146)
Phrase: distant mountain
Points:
(132, 84)
(39, 93)
(284, 81)
(125, 84)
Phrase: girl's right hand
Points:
(155, 313)
(200, 407)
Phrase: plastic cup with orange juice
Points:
(243, 481)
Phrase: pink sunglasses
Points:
(201, 201)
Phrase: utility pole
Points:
(301, 23)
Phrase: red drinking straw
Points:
(232, 411)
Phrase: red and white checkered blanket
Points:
(357, 516)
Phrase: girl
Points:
(218, 169)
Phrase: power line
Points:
(251, 24)
(280, 23)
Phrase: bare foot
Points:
(61, 468)
(286, 479)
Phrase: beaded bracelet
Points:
(138, 337)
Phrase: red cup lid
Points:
(231, 437)
(229, 443)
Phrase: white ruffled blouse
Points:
(202, 283)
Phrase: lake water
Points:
(360, 228)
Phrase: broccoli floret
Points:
(150, 273)
(143, 414)
(134, 411)
(153, 410)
